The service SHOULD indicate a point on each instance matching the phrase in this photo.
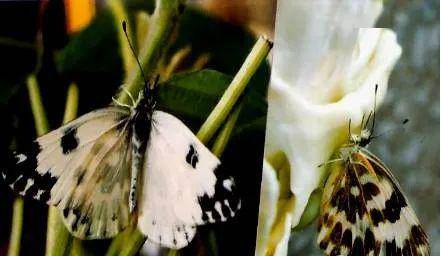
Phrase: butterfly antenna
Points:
(404, 122)
(375, 108)
(362, 120)
(124, 26)
(367, 121)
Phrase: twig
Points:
(58, 238)
(161, 25)
(120, 15)
(222, 139)
(237, 86)
(16, 230)
(41, 126)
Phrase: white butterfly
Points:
(118, 162)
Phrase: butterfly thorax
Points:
(363, 139)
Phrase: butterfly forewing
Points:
(183, 185)
(82, 169)
(365, 213)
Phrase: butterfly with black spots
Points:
(364, 211)
(122, 161)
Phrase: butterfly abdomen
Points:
(141, 128)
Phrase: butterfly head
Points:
(362, 139)
(146, 101)
(365, 136)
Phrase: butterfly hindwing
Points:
(183, 186)
(82, 169)
(365, 213)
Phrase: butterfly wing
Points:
(184, 185)
(82, 168)
(365, 213)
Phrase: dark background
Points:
(91, 60)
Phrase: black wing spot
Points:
(370, 190)
(369, 241)
(69, 141)
(418, 235)
(376, 216)
(21, 174)
(323, 244)
(192, 157)
(65, 212)
(347, 238)
(336, 233)
(224, 195)
(358, 247)
(335, 251)
(393, 207)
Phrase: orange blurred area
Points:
(257, 15)
(79, 13)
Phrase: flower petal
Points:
(269, 195)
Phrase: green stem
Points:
(17, 225)
(120, 15)
(11, 42)
(221, 141)
(163, 22)
(237, 86)
(58, 238)
(78, 248)
(41, 126)
(41, 123)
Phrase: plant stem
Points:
(17, 225)
(221, 141)
(120, 15)
(41, 123)
(237, 86)
(71, 109)
(58, 238)
(41, 126)
(162, 24)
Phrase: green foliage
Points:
(193, 96)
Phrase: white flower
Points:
(324, 73)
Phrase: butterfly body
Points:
(141, 124)
(108, 164)
(363, 209)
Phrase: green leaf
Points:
(93, 50)
(193, 96)
(227, 45)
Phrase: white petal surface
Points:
(324, 73)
